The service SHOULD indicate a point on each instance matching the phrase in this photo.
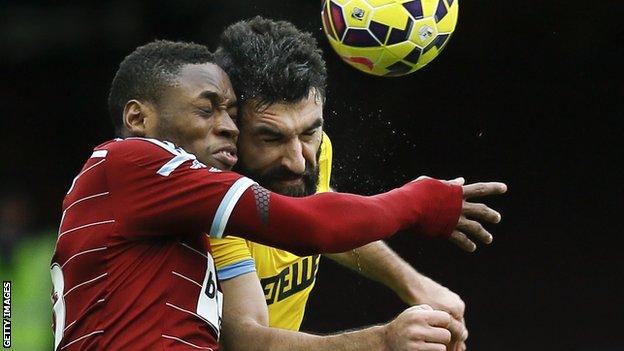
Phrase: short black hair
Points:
(145, 72)
(271, 61)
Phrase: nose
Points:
(225, 126)
(293, 158)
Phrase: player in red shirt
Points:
(132, 268)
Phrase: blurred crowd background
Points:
(529, 93)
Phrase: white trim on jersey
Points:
(84, 199)
(77, 202)
(69, 325)
(82, 253)
(185, 311)
(180, 154)
(83, 283)
(174, 163)
(83, 172)
(74, 322)
(85, 226)
(82, 337)
(186, 278)
(227, 206)
(185, 342)
(167, 145)
(99, 153)
(190, 248)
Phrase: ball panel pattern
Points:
(389, 37)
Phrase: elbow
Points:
(243, 336)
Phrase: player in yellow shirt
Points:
(286, 279)
(279, 77)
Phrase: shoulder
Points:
(326, 146)
(138, 146)
(325, 164)
(229, 249)
(158, 157)
(144, 153)
(232, 257)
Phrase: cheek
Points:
(257, 156)
(193, 135)
(310, 151)
(198, 129)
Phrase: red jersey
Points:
(132, 268)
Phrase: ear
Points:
(137, 117)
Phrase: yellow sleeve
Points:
(325, 165)
(229, 250)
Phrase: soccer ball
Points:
(389, 37)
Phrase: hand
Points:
(426, 291)
(459, 334)
(472, 214)
(418, 328)
(456, 346)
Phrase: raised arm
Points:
(166, 191)
(335, 222)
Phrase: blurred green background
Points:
(27, 267)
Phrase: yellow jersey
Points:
(286, 279)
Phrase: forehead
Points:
(287, 116)
(197, 78)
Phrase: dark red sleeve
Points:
(336, 222)
(186, 198)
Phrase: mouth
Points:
(290, 181)
(226, 156)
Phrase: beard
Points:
(271, 178)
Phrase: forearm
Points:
(335, 222)
(253, 336)
(246, 320)
(380, 263)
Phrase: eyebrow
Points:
(266, 129)
(270, 130)
(216, 98)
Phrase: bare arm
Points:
(380, 263)
(245, 327)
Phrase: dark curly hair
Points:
(145, 72)
(270, 61)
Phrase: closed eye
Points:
(205, 112)
(233, 112)
(268, 134)
(272, 138)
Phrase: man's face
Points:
(279, 145)
(197, 114)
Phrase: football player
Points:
(279, 75)
(132, 269)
